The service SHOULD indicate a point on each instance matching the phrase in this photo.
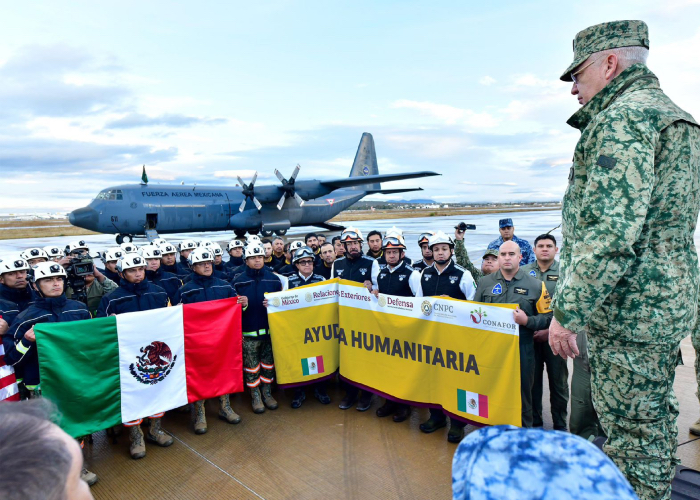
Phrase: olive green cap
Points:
(605, 36)
(490, 251)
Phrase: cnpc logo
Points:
(445, 308)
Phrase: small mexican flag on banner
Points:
(312, 366)
(101, 372)
(473, 403)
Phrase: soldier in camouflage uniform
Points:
(695, 337)
(629, 268)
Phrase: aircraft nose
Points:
(85, 217)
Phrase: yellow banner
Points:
(456, 355)
(303, 330)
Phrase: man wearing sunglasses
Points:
(629, 268)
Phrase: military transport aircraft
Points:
(145, 210)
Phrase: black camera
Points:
(463, 226)
(81, 265)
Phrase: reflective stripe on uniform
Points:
(260, 332)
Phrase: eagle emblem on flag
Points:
(154, 364)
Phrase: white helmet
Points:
(252, 238)
(34, 253)
(76, 245)
(303, 253)
(351, 234)
(151, 252)
(254, 250)
(218, 252)
(9, 266)
(440, 237)
(167, 248)
(130, 261)
(188, 245)
(159, 242)
(198, 255)
(114, 253)
(47, 270)
(129, 248)
(206, 243)
(295, 245)
(425, 237)
(234, 244)
(53, 252)
(394, 231)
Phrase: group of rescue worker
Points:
(35, 289)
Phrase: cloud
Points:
(487, 80)
(449, 115)
(489, 183)
(246, 175)
(135, 120)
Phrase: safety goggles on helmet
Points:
(425, 237)
(188, 245)
(202, 254)
(113, 254)
(393, 242)
(48, 270)
(53, 252)
(10, 266)
(234, 244)
(151, 252)
(351, 234)
(34, 253)
(130, 261)
(303, 253)
(254, 250)
(167, 249)
(295, 245)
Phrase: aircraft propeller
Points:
(288, 188)
(249, 192)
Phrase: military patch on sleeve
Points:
(533, 273)
(606, 162)
(521, 291)
(552, 278)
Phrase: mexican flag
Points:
(473, 403)
(312, 366)
(101, 372)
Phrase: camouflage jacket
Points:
(628, 263)
(462, 258)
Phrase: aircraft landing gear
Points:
(253, 231)
(239, 234)
(281, 232)
(266, 234)
(124, 238)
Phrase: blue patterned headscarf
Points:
(505, 462)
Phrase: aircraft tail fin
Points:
(365, 162)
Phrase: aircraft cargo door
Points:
(151, 221)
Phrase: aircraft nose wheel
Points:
(124, 238)
(281, 232)
(266, 234)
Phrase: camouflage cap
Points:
(612, 35)
(490, 251)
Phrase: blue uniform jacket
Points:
(254, 284)
(22, 353)
(133, 297)
(528, 256)
(204, 288)
(167, 281)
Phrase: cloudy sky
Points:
(92, 90)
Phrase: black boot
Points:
(436, 421)
(403, 412)
(321, 394)
(386, 409)
(365, 401)
(299, 397)
(350, 398)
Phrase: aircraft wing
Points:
(371, 179)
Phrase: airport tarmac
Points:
(319, 451)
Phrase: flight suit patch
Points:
(533, 273)
(606, 162)
(521, 291)
(552, 278)
(497, 290)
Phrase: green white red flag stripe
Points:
(8, 382)
(104, 371)
(312, 366)
(473, 403)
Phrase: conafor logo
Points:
(426, 308)
(478, 315)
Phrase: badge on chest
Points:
(520, 291)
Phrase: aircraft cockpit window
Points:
(111, 194)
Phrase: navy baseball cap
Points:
(505, 223)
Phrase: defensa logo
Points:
(426, 308)
(477, 315)
(154, 364)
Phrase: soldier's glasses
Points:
(573, 75)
